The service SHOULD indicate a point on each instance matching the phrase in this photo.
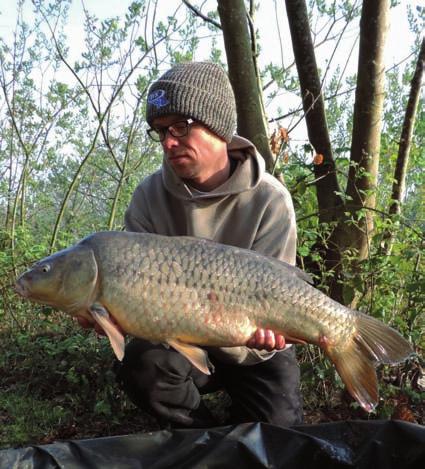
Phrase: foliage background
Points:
(73, 147)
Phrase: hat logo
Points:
(157, 98)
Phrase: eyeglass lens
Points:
(178, 129)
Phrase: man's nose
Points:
(169, 141)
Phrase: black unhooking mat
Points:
(359, 444)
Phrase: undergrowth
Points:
(58, 384)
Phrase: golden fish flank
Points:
(187, 292)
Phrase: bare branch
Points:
(407, 224)
(201, 15)
(279, 35)
(337, 44)
(402, 162)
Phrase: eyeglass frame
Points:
(162, 132)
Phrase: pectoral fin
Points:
(197, 356)
(101, 316)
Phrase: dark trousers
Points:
(164, 382)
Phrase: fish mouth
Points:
(21, 289)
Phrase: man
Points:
(212, 184)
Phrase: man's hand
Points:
(266, 339)
(87, 324)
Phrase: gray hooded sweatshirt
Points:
(251, 210)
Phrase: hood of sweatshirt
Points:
(250, 167)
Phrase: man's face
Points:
(195, 156)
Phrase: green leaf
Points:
(348, 294)
(303, 251)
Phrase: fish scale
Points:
(191, 292)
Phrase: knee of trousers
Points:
(151, 373)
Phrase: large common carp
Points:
(188, 292)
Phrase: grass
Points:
(60, 385)
(25, 419)
(57, 383)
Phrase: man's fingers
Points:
(87, 324)
(280, 342)
(99, 330)
(260, 338)
(84, 322)
(269, 340)
(266, 339)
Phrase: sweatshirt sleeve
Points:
(136, 216)
(277, 232)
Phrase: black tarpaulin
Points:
(359, 444)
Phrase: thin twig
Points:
(279, 35)
(360, 207)
(201, 15)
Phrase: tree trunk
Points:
(327, 187)
(351, 237)
(399, 183)
(367, 118)
(251, 120)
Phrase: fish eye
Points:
(45, 268)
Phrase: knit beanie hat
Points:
(199, 90)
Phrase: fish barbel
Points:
(189, 292)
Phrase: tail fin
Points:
(373, 343)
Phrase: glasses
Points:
(178, 129)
